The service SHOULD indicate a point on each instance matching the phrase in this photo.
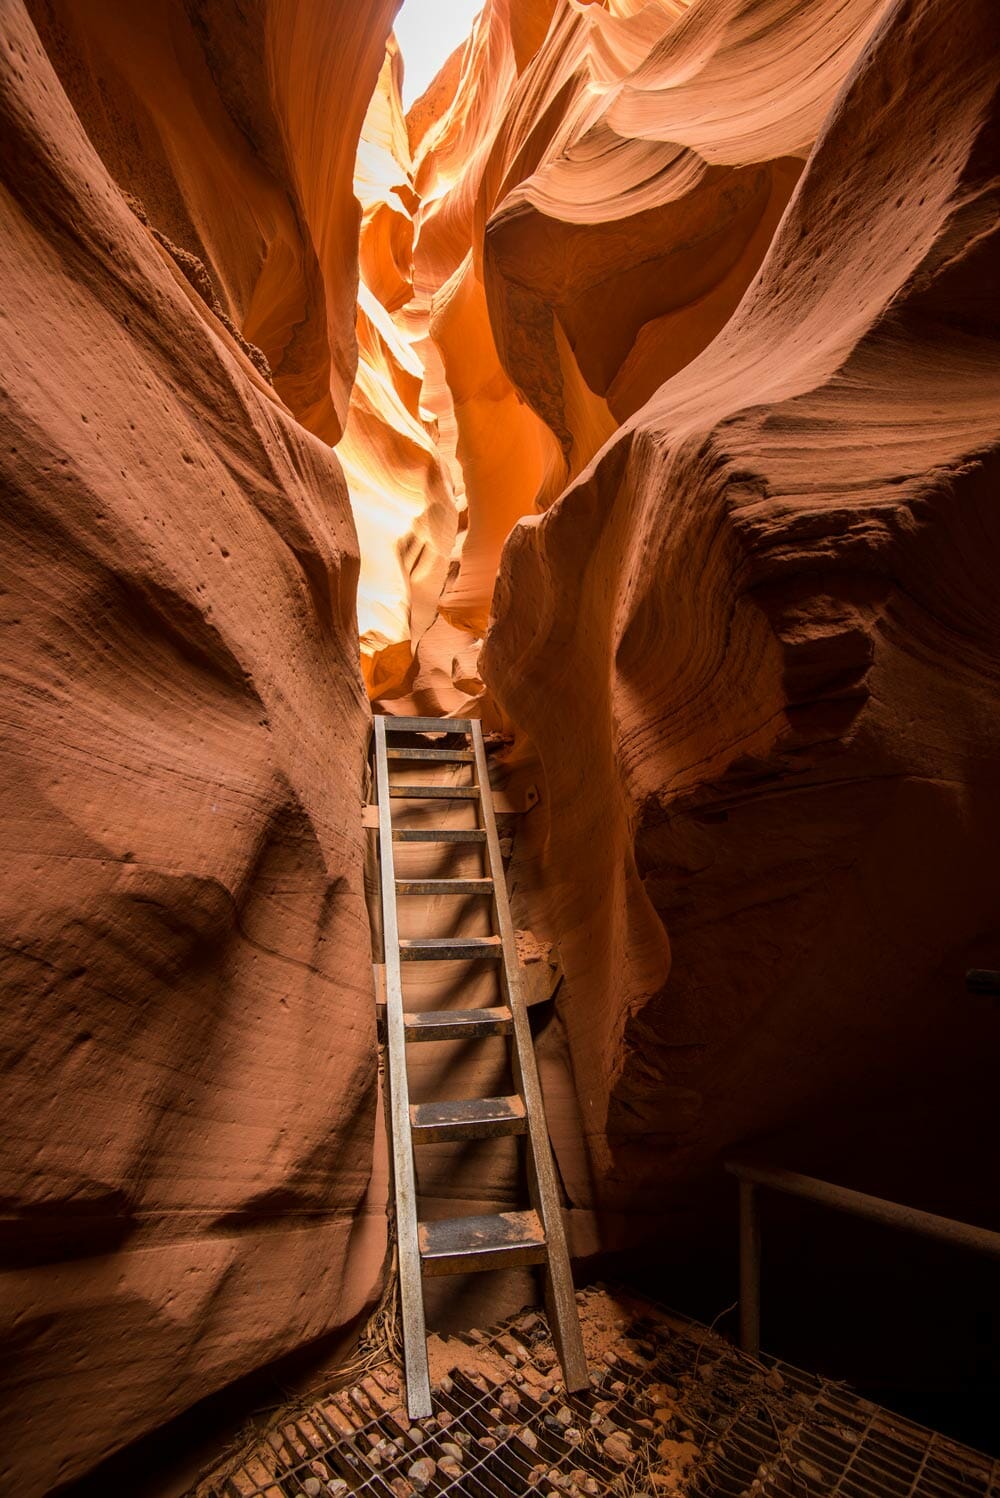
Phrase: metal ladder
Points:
(462, 1244)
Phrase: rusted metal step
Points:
(434, 792)
(427, 725)
(438, 835)
(444, 886)
(467, 1118)
(450, 948)
(460, 1245)
(438, 756)
(457, 1024)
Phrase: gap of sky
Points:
(428, 31)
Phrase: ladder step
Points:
(444, 886)
(457, 1024)
(445, 948)
(458, 1245)
(434, 792)
(447, 756)
(428, 725)
(438, 835)
(468, 1118)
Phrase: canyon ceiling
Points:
(653, 416)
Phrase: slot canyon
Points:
(635, 392)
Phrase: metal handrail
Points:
(753, 1176)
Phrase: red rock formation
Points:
(188, 1045)
(595, 190)
(501, 459)
(401, 487)
(704, 628)
(773, 593)
(727, 270)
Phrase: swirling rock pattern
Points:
(188, 1042)
(724, 269)
(671, 375)
(771, 803)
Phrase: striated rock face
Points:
(727, 271)
(188, 1042)
(665, 412)
(401, 486)
(591, 192)
(771, 798)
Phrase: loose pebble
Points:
(421, 1472)
(618, 1448)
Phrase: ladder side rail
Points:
(418, 1391)
(560, 1295)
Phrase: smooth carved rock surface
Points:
(683, 317)
(188, 1044)
(401, 484)
(498, 459)
(235, 126)
(724, 269)
(767, 856)
(589, 193)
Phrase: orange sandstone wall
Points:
(712, 351)
(665, 405)
(188, 1041)
(756, 644)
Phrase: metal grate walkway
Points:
(672, 1410)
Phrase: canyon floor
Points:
(673, 1410)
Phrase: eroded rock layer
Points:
(188, 1039)
(666, 406)
(770, 793)
(727, 271)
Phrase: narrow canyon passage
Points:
(634, 391)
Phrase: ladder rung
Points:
(468, 1118)
(447, 756)
(428, 725)
(434, 792)
(444, 886)
(438, 835)
(458, 1245)
(445, 948)
(457, 1024)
